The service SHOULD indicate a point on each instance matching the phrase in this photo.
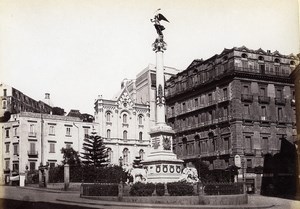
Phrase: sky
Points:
(79, 49)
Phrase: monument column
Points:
(161, 164)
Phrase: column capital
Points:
(159, 45)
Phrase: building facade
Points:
(240, 102)
(29, 139)
(125, 120)
(124, 126)
(14, 101)
(145, 84)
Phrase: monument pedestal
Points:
(162, 165)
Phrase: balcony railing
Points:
(264, 99)
(249, 151)
(280, 101)
(247, 98)
(250, 170)
(32, 153)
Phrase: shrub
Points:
(100, 189)
(141, 189)
(180, 188)
(56, 174)
(33, 177)
(160, 189)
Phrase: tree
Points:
(70, 156)
(95, 152)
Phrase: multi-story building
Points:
(29, 139)
(239, 102)
(124, 126)
(126, 119)
(145, 87)
(14, 101)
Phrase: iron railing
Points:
(225, 188)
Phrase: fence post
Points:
(120, 191)
(66, 176)
(200, 188)
(81, 190)
(244, 188)
(166, 190)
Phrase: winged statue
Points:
(156, 20)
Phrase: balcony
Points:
(263, 99)
(250, 170)
(32, 134)
(32, 154)
(280, 101)
(247, 98)
(249, 151)
(211, 102)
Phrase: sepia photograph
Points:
(149, 104)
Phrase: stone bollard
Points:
(22, 180)
(120, 193)
(66, 176)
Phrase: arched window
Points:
(140, 119)
(141, 136)
(244, 55)
(261, 58)
(108, 133)
(141, 154)
(125, 118)
(108, 115)
(125, 156)
(125, 135)
(277, 60)
(109, 155)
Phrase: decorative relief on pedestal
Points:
(167, 143)
(178, 169)
(155, 143)
(165, 168)
(158, 169)
(172, 169)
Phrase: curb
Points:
(148, 205)
(47, 190)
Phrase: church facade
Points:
(124, 126)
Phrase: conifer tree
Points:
(94, 151)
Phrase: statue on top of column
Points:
(159, 42)
(156, 20)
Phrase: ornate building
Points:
(126, 119)
(240, 102)
(124, 125)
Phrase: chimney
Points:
(47, 96)
(47, 100)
